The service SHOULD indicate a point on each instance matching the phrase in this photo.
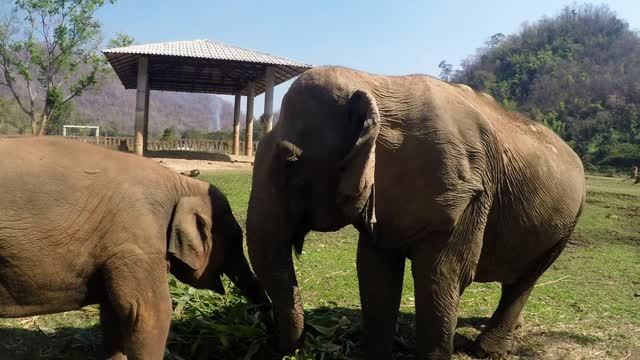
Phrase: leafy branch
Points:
(49, 54)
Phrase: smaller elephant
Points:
(81, 224)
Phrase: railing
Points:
(214, 146)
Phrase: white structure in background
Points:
(97, 128)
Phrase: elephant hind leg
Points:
(497, 338)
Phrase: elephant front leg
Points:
(138, 312)
(112, 338)
(380, 276)
(437, 293)
(443, 265)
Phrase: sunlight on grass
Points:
(587, 302)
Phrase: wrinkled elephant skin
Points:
(425, 170)
(81, 224)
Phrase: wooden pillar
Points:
(248, 139)
(269, 80)
(142, 105)
(236, 124)
(145, 135)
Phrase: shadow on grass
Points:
(188, 155)
(64, 343)
(331, 333)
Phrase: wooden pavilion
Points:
(201, 66)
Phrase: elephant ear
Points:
(191, 232)
(356, 187)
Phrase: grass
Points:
(587, 304)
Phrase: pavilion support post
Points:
(236, 124)
(142, 105)
(145, 134)
(248, 139)
(268, 99)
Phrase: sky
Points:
(385, 37)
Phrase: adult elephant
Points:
(425, 170)
(80, 225)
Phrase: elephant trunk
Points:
(270, 255)
(274, 267)
(243, 278)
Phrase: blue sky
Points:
(386, 37)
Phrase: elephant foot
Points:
(493, 346)
(520, 321)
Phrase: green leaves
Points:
(577, 72)
(59, 49)
(208, 325)
(211, 326)
(121, 40)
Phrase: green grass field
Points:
(587, 306)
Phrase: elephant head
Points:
(314, 171)
(205, 241)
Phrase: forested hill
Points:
(578, 72)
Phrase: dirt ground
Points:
(212, 163)
(204, 166)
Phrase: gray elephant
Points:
(81, 224)
(425, 170)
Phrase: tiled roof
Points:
(201, 66)
(205, 49)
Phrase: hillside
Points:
(112, 107)
(578, 72)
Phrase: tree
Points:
(446, 70)
(169, 134)
(578, 72)
(494, 40)
(12, 119)
(48, 55)
(121, 40)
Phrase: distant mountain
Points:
(110, 105)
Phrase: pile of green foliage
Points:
(577, 72)
(211, 326)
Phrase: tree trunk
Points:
(43, 125)
(634, 175)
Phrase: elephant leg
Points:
(443, 265)
(139, 297)
(437, 297)
(497, 338)
(380, 276)
(112, 339)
